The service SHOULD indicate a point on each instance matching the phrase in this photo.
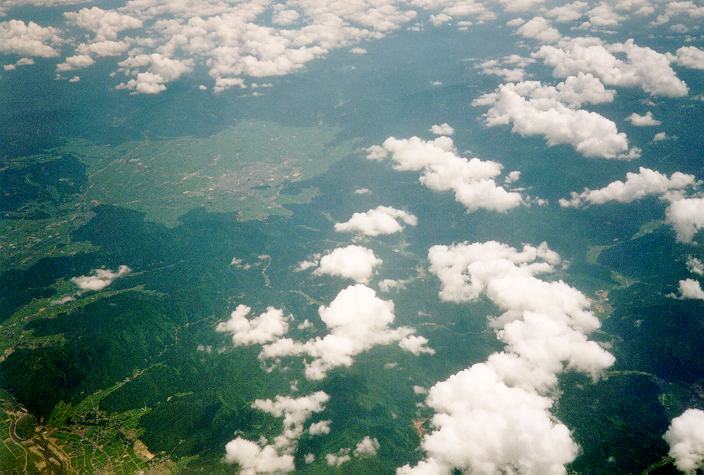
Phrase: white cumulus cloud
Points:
(494, 417)
(357, 320)
(442, 129)
(350, 262)
(276, 457)
(381, 220)
(643, 67)
(264, 328)
(552, 111)
(98, 279)
(442, 169)
(686, 439)
(28, 39)
(645, 182)
(686, 216)
(645, 120)
(691, 289)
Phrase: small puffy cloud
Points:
(602, 15)
(160, 71)
(691, 289)
(351, 262)
(284, 16)
(511, 68)
(319, 428)
(513, 176)
(341, 457)
(695, 266)
(442, 169)
(540, 29)
(19, 62)
(264, 328)
(294, 411)
(263, 457)
(103, 48)
(442, 129)
(646, 120)
(8, 4)
(28, 39)
(381, 220)
(643, 67)
(552, 111)
(388, 285)
(418, 390)
(71, 63)
(253, 458)
(358, 51)
(567, 13)
(645, 182)
(106, 24)
(684, 9)
(520, 5)
(99, 278)
(660, 136)
(690, 57)
(686, 216)
(366, 447)
(416, 345)
(686, 439)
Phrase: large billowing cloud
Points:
(643, 67)
(357, 320)
(639, 185)
(349, 262)
(494, 417)
(378, 221)
(552, 111)
(99, 279)
(442, 169)
(484, 426)
(686, 438)
(686, 215)
(276, 457)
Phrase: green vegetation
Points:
(244, 168)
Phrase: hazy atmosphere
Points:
(410, 237)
